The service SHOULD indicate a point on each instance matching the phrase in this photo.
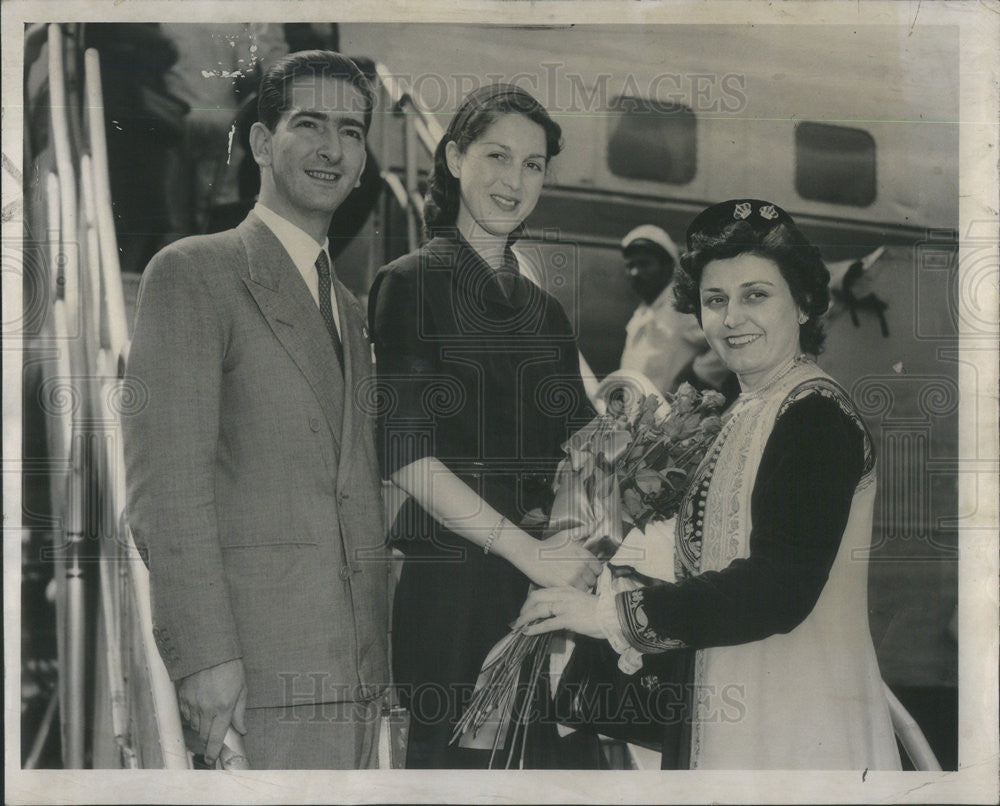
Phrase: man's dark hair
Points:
(273, 100)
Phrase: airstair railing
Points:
(84, 396)
(421, 133)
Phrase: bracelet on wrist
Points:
(493, 534)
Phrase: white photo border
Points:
(976, 780)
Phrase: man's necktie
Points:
(325, 308)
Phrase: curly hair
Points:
(476, 114)
(753, 226)
(275, 83)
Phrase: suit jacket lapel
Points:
(357, 369)
(293, 317)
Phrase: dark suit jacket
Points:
(253, 485)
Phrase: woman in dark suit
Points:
(480, 386)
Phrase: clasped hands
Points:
(565, 573)
(558, 561)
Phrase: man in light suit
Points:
(253, 486)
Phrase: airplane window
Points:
(654, 141)
(834, 164)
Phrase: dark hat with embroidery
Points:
(760, 214)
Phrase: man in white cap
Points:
(660, 342)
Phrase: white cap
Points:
(653, 234)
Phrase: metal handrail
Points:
(107, 287)
(91, 308)
(396, 186)
(428, 129)
(71, 656)
(909, 734)
(108, 247)
(420, 130)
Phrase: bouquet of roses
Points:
(623, 470)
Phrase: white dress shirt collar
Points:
(302, 249)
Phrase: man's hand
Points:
(211, 700)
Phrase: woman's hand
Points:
(560, 609)
(558, 561)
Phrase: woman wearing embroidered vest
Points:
(770, 555)
(479, 376)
